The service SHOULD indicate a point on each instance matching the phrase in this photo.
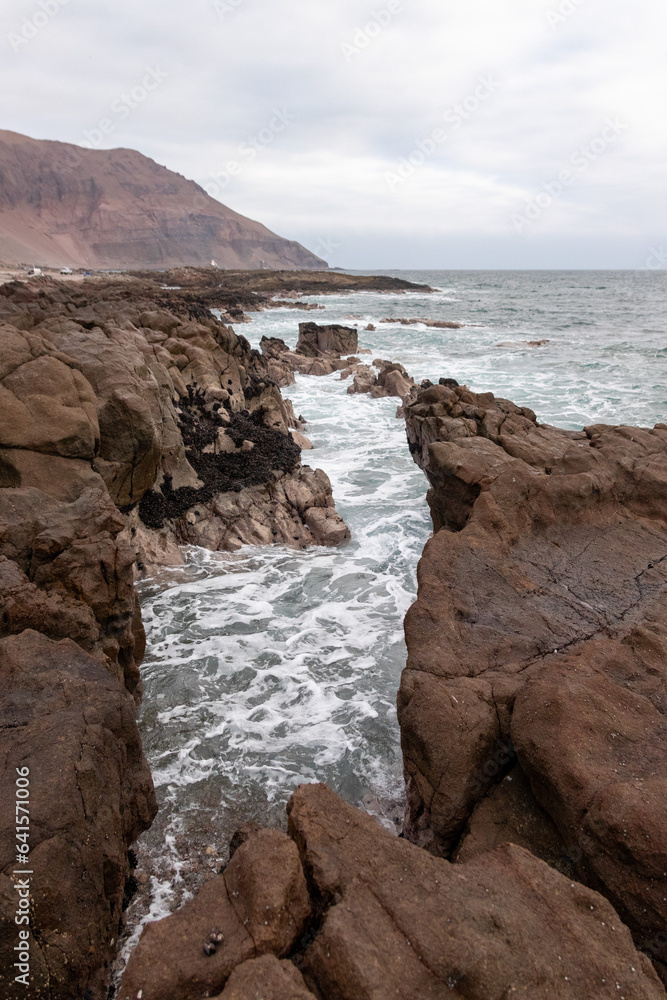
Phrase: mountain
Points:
(64, 205)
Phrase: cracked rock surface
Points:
(363, 915)
(538, 646)
(259, 903)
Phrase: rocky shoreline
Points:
(531, 709)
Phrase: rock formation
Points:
(176, 418)
(364, 915)
(391, 380)
(532, 707)
(126, 428)
(315, 341)
(318, 352)
(61, 204)
(68, 721)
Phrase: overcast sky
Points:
(400, 134)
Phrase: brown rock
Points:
(295, 509)
(76, 571)
(364, 380)
(266, 978)
(260, 904)
(315, 341)
(595, 755)
(399, 922)
(73, 726)
(326, 526)
(543, 587)
(47, 406)
(62, 478)
(392, 380)
(303, 442)
(282, 361)
(510, 814)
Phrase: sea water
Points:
(270, 667)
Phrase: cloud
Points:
(362, 85)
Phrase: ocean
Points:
(266, 668)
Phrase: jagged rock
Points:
(295, 509)
(65, 718)
(392, 380)
(260, 905)
(301, 440)
(398, 922)
(178, 411)
(541, 625)
(315, 341)
(266, 978)
(72, 569)
(364, 380)
(282, 362)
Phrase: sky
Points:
(402, 134)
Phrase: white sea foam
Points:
(269, 667)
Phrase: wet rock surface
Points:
(373, 916)
(391, 380)
(318, 351)
(258, 905)
(438, 324)
(539, 639)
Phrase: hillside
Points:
(64, 205)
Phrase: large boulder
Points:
(70, 726)
(259, 905)
(540, 637)
(315, 341)
(266, 978)
(398, 922)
